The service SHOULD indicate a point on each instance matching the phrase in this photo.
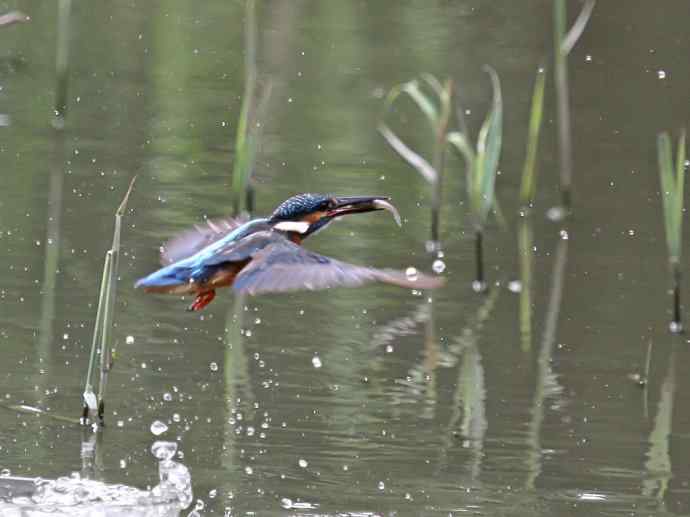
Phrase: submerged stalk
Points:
(479, 284)
(677, 323)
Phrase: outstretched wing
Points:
(189, 242)
(285, 266)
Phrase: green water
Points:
(414, 410)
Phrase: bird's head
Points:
(305, 214)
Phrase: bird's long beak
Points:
(361, 204)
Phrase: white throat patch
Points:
(292, 226)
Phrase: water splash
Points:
(75, 496)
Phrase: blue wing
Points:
(282, 265)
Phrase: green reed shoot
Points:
(434, 100)
(528, 185)
(563, 44)
(481, 164)
(672, 185)
(248, 125)
(95, 404)
(62, 62)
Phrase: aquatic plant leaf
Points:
(573, 35)
(672, 186)
(407, 154)
(680, 184)
(433, 83)
(488, 152)
(528, 184)
(421, 100)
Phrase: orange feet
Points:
(202, 300)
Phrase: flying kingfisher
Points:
(265, 255)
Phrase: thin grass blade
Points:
(489, 145)
(573, 35)
(529, 181)
(680, 187)
(668, 187)
(407, 154)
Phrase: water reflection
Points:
(658, 465)
(547, 385)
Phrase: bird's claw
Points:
(201, 301)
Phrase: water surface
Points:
(408, 414)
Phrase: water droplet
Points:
(556, 213)
(411, 274)
(382, 485)
(563, 234)
(478, 287)
(588, 58)
(123, 464)
(631, 232)
(167, 396)
(408, 496)
(438, 266)
(661, 74)
(200, 505)
(286, 503)
(213, 366)
(129, 340)
(120, 423)
(303, 463)
(158, 428)
(389, 349)
(515, 286)
(248, 470)
(5, 473)
(176, 417)
(316, 361)
(676, 327)
(213, 493)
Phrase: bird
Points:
(265, 255)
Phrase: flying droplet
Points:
(316, 361)
(303, 463)
(661, 74)
(411, 274)
(129, 340)
(213, 366)
(158, 428)
(515, 286)
(438, 266)
(286, 503)
(382, 485)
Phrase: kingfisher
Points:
(265, 255)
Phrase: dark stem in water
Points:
(677, 323)
(479, 255)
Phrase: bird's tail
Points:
(165, 278)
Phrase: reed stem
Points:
(563, 105)
(479, 283)
(677, 323)
(62, 62)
